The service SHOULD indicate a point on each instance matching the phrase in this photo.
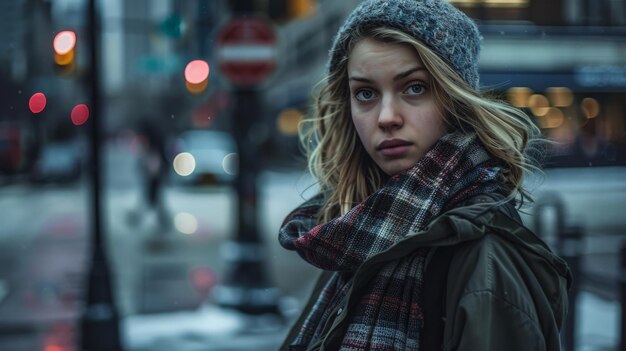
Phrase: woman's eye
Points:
(416, 89)
(364, 95)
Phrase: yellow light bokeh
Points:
(288, 121)
(518, 96)
(505, 3)
(301, 8)
(560, 96)
(590, 107)
(196, 88)
(64, 59)
(539, 105)
(184, 164)
(554, 118)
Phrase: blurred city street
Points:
(164, 275)
(158, 269)
(184, 115)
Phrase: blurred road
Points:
(164, 274)
(42, 247)
(158, 269)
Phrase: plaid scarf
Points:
(388, 316)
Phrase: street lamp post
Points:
(100, 320)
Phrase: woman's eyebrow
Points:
(408, 72)
(397, 77)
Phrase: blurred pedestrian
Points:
(153, 166)
(416, 228)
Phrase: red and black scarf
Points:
(388, 316)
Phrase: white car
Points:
(215, 156)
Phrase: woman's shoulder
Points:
(499, 265)
(507, 251)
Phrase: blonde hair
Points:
(345, 172)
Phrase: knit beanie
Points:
(442, 27)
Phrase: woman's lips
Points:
(393, 147)
(395, 151)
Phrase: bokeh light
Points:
(554, 118)
(186, 223)
(37, 102)
(80, 114)
(196, 88)
(538, 104)
(560, 96)
(64, 44)
(197, 76)
(203, 279)
(590, 107)
(288, 121)
(230, 163)
(518, 96)
(64, 60)
(301, 8)
(197, 71)
(59, 337)
(184, 164)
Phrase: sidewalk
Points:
(165, 307)
(598, 323)
(207, 328)
(211, 328)
(43, 295)
(172, 310)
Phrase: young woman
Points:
(414, 227)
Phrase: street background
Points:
(197, 171)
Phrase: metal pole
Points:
(622, 285)
(549, 231)
(246, 287)
(100, 320)
(549, 224)
(571, 251)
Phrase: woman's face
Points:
(393, 107)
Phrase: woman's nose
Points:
(389, 116)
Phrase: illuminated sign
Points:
(601, 76)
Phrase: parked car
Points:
(59, 162)
(213, 154)
(10, 149)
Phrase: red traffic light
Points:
(64, 44)
(197, 76)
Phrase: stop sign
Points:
(246, 51)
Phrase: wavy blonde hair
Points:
(346, 173)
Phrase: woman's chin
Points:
(392, 168)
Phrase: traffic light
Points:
(173, 26)
(64, 45)
(300, 8)
(286, 10)
(197, 76)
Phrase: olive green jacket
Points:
(499, 286)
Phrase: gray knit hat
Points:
(436, 23)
